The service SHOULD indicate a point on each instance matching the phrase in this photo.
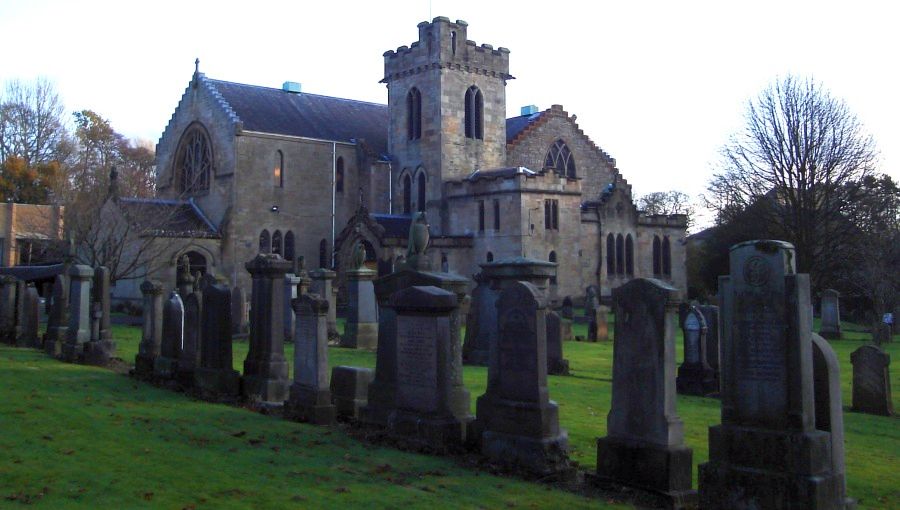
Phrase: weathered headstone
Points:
(881, 333)
(189, 358)
(556, 364)
(831, 314)
(31, 319)
(598, 327)
(711, 316)
(827, 399)
(101, 346)
(518, 423)
(432, 404)
(871, 381)
(767, 453)
(644, 446)
(215, 378)
(79, 330)
(695, 376)
(349, 389)
(58, 319)
(151, 335)
(361, 328)
(291, 281)
(7, 309)
(591, 302)
(322, 281)
(238, 311)
(265, 369)
(481, 323)
(568, 309)
(165, 366)
(310, 394)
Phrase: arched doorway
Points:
(197, 262)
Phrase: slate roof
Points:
(270, 110)
(500, 173)
(516, 125)
(395, 225)
(168, 218)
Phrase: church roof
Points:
(500, 173)
(270, 110)
(516, 125)
(395, 225)
(168, 218)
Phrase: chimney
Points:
(291, 86)
(529, 110)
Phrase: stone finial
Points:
(418, 236)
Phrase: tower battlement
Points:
(443, 44)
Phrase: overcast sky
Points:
(659, 86)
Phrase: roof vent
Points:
(529, 110)
(291, 86)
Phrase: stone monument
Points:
(711, 316)
(165, 366)
(349, 389)
(831, 315)
(7, 309)
(101, 346)
(361, 329)
(216, 379)
(568, 309)
(767, 452)
(872, 381)
(517, 421)
(189, 359)
(79, 330)
(556, 364)
(151, 335)
(310, 394)
(644, 446)
(31, 320)
(695, 376)
(828, 404)
(291, 282)
(481, 322)
(322, 283)
(238, 312)
(265, 369)
(58, 319)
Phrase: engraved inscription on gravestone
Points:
(763, 353)
(416, 363)
(306, 371)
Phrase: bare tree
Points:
(31, 123)
(667, 202)
(798, 162)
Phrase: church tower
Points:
(447, 103)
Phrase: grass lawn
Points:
(82, 436)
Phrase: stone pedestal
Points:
(165, 367)
(79, 330)
(58, 319)
(695, 377)
(215, 378)
(517, 422)
(322, 283)
(831, 315)
(349, 389)
(265, 369)
(361, 329)
(8, 309)
(644, 446)
(310, 397)
(151, 335)
(767, 453)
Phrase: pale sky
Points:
(657, 85)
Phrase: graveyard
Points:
(87, 436)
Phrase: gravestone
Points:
(7, 309)
(568, 309)
(349, 389)
(151, 334)
(871, 381)
(517, 422)
(184, 280)
(31, 319)
(432, 404)
(79, 330)
(644, 446)
(767, 452)
(19, 321)
(361, 328)
(291, 281)
(695, 376)
(265, 369)
(831, 315)
(310, 394)
(189, 358)
(881, 333)
(58, 319)
(481, 322)
(556, 364)
(598, 326)
(101, 346)
(565, 326)
(591, 302)
(216, 379)
(322, 283)
(711, 316)
(238, 311)
(827, 400)
(165, 366)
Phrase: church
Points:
(306, 175)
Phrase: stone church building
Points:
(308, 175)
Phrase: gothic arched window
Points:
(620, 254)
(407, 194)
(610, 255)
(194, 160)
(276, 242)
(289, 246)
(420, 186)
(629, 255)
(474, 113)
(657, 256)
(265, 245)
(560, 159)
(414, 114)
(278, 170)
(339, 175)
(666, 256)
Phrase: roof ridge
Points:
(301, 93)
